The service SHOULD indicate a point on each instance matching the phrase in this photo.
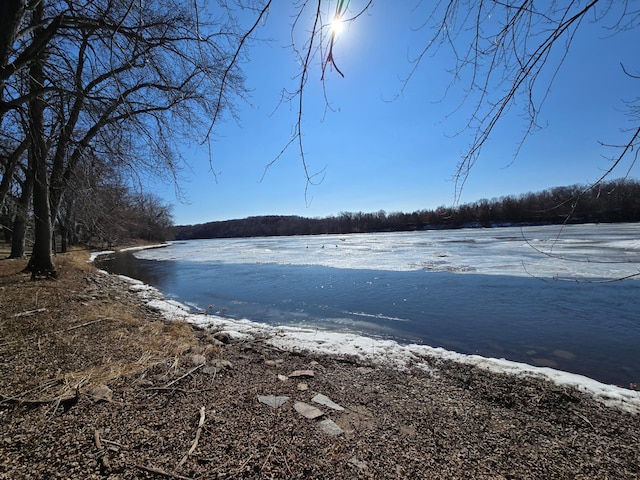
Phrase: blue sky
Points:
(381, 153)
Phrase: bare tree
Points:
(157, 71)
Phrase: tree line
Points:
(607, 202)
(102, 211)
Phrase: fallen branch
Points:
(195, 441)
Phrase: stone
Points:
(221, 364)
(283, 378)
(302, 373)
(327, 402)
(308, 411)
(274, 363)
(101, 393)
(273, 400)
(198, 359)
(303, 387)
(223, 337)
(358, 463)
(563, 354)
(545, 362)
(330, 427)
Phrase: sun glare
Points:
(336, 26)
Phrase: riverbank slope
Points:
(94, 384)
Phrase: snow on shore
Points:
(380, 352)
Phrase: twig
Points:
(585, 419)
(244, 464)
(194, 445)
(273, 447)
(161, 472)
(105, 465)
(82, 325)
(30, 312)
(185, 375)
(111, 442)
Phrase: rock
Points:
(563, 354)
(198, 359)
(283, 378)
(308, 411)
(316, 364)
(274, 363)
(329, 427)
(302, 373)
(303, 387)
(221, 364)
(358, 463)
(223, 337)
(545, 362)
(101, 393)
(327, 402)
(210, 370)
(272, 400)
(199, 333)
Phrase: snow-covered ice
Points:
(603, 251)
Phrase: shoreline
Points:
(385, 353)
(95, 384)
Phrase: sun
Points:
(336, 26)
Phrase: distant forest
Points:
(607, 202)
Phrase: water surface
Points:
(578, 326)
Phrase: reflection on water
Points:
(591, 329)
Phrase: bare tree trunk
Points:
(41, 262)
(20, 219)
(7, 177)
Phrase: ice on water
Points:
(603, 251)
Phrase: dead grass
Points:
(51, 327)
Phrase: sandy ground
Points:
(93, 384)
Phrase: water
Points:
(488, 292)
